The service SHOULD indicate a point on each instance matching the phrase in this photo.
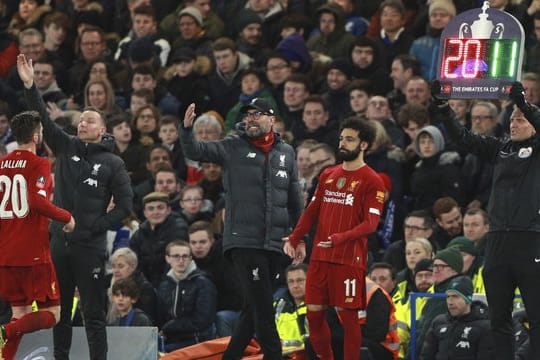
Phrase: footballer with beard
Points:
(347, 206)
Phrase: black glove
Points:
(517, 95)
(436, 94)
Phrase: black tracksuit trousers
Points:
(84, 268)
(255, 270)
(512, 260)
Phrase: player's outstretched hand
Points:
(517, 95)
(189, 116)
(436, 93)
(70, 226)
(25, 70)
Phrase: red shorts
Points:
(338, 285)
(21, 285)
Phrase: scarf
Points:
(263, 142)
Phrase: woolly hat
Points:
(142, 49)
(331, 8)
(446, 5)
(423, 265)
(246, 17)
(452, 257)
(463, 286)
(343, 65)
(156, 196)
(463, 244)
(183, 54)
(193, 12)
(294, 48)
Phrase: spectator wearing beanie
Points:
(212, 23)
(423, 282)
(446, 266)
(333, 41)
(336, 96)
(462, 333)
(248, 32)
(192, 34)
(426, 48)
(294, 49)
(472, 263)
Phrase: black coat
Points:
(263, 197)
(87, 176)
(467, 337)
(434, 178)
(187, 307)
(190, 89)
(221, 271)
(515, 196)
(328, 134)
(149, 245)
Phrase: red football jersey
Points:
(347, 206)
(25, 188)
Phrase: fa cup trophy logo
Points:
(482, 28)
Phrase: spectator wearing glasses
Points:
(417, 224)
(194, 206)
(262, 200)
(155, 233)
(277, 70)
(478, 174)
(187, 300)
(90, 47)
(447, 265)
(31, 44)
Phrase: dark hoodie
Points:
(376, 72)
(221, 271)
(435, 176)
(338, 42)
(294, 48)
